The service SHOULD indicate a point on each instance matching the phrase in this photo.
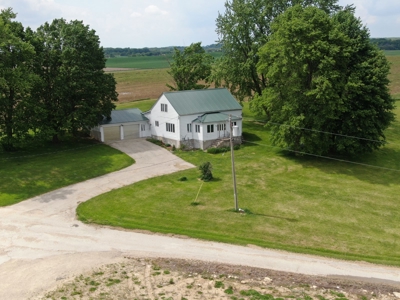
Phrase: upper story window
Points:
(164, 107)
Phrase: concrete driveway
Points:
(42, 243)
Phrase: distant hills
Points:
(131, 52)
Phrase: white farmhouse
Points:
(196, 118)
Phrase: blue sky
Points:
(157, 23)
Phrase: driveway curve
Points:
(42, 243)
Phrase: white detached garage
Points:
(123, 124)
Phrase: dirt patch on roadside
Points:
(187, 279)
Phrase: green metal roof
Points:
(124, 116)
(202, 101)
(215, 117)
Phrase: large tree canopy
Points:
(327, 85)
(16, 78)
(73, 91)
(243, 29)
(190, 67)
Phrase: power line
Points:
(325, 132)
(325, 157)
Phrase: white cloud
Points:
(136, 14)
(152, 9)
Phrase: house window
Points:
(197, 128)
(221, 127)
(189, 127)
(234, 123)
(157, 124)
(164, 107)
(170, 127)
(210, 128)
(143, 127)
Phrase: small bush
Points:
(206, 174)
(222, 149)
(173, 148)
(182, 178)
(218, 150)
(155, 141)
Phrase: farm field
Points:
(392, 52)
(145, 62)
(148, 83)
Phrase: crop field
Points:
(145, 62)
(392, 52)
(147, 83)
(395, 75)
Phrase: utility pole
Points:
(233, 165)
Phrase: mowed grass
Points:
(34, 171)
(302, 204)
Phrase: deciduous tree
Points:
(16, 79)
(327, 85)
(74, 91)
(190, 67)
(243, 28)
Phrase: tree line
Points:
(308, 67)
(387, 44)
(52, 81)
(157, 51)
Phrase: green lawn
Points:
(34, 171)
(302, 204)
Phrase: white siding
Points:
(162, 117)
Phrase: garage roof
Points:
(124, 116)
(202, 101)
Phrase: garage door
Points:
(111, 133)
(131, 131)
